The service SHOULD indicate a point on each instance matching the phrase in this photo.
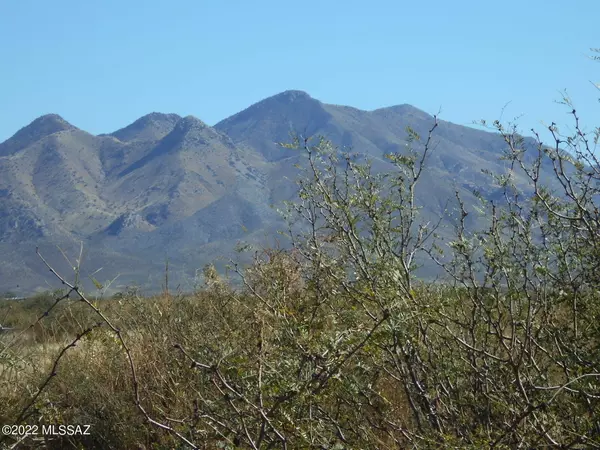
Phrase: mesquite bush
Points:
(335, 343)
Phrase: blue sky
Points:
(102, 64)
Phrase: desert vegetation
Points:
(332, 341)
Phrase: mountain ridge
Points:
(151, 126)
(39, 128)
(173, 186)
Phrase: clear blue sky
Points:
(102, 64)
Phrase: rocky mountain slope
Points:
(173, 187)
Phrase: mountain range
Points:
(173, 188)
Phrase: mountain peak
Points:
(48, 124)
(38, 129)
(287, 98)
(49, 117)
(151, 127)
(276, 117)
(192, 120)
(292, 95)
(160, 116)
(189, 123)
(157, 117)
(284, 100)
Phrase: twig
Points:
(136, 389)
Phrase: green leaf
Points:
(98, 285)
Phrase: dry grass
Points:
(257, 351)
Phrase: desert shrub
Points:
(335, 343)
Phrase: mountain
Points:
(457, 162)
(41, 127)
(264, 124)
(185, 171)
(173, 187)
(151, 127)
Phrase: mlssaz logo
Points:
(66, 430)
